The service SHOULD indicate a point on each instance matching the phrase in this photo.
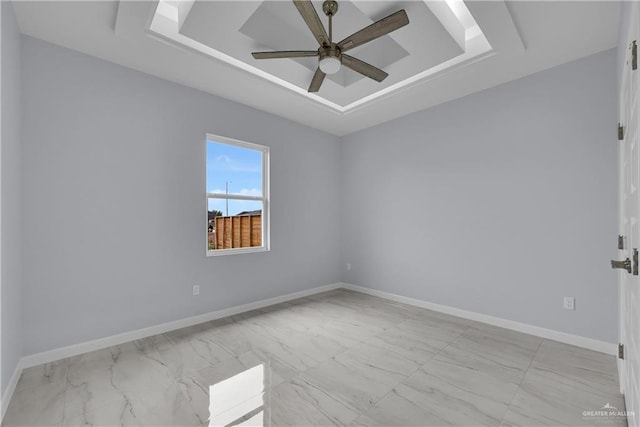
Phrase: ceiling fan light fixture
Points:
(330, 65)
(331, 55)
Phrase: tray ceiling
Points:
(439, 35)
(449, 49)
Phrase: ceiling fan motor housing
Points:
(330, 59)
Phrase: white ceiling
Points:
(448, 50)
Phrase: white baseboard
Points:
(11, 388)
(579, 341)
(98, 344)
(76, 349)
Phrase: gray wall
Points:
(114, 206)
(10, 155)
(501, 203)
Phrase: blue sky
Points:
(241, 167)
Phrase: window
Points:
(237, 196)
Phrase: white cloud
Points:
(226, 163)
(251, 192)
(223, 158)
(254, 192)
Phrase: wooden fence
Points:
(238, 231)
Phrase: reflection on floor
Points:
(337, 358)
(239, 400)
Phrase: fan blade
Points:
(375, 30)
(310, 16)
(284, 54)
(363, 68)
(317, 80)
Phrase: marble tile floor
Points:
(337, 358)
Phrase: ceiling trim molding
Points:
(166, 19)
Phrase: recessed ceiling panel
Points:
(267, 28)
(238, 28)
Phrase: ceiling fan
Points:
(331, 55)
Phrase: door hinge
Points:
(634, 55)
(620, 241)
(620, 351)
(620, 132)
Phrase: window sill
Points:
(221, 252)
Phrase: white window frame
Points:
(264, 198)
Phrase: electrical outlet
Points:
(348, 266)
(196, 289)
(570, 303)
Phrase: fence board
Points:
(238, 231)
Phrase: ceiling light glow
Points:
(330, 65)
